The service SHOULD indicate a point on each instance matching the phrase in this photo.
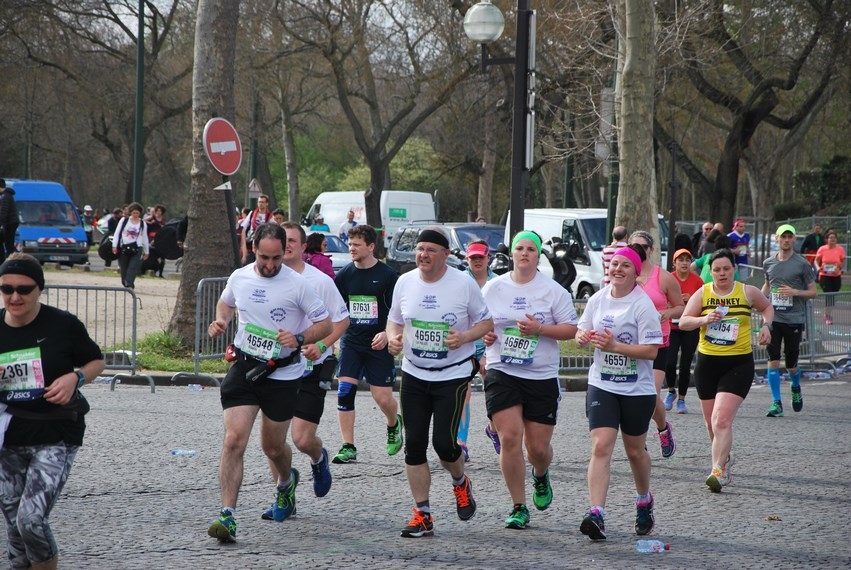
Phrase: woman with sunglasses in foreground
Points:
(46, 355)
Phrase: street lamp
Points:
(484, 23)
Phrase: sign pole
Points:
(229, 204)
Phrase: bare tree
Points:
(393, 65)
(754, 67)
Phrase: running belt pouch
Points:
(326, 372)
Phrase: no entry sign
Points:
(221, 143)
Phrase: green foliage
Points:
(795, 209)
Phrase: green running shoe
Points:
(543, 495)
(223, 528)
(776, 410)
(519, 518)
(395, 437)
(797, 399)
(347, 454)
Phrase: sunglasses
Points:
(20, 289)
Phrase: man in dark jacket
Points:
(8, 220)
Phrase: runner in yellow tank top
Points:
(725, 367)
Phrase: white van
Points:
(398, 208)
(584, 230)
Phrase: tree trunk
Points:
(636, 207)
(212, 95)
(290, 158)
(484, 201)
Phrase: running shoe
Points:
(321, 475)
(421, 525)
(593, 526)
(797, 399)
(284, 506)
(395, 437)
(726, 473)
(347, 454)
(494, 437)
(714, 479)
(224, 527)
(644, 520)
(776, 410)
(681, 407)
(465, 450)
(669, 401)
(464, 501)
(519, 518)
(543, 495)
(666, 439)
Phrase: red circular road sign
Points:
(221, 143)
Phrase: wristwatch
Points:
(299, 338)
(81, 379)
(322, 346)
(769, 325)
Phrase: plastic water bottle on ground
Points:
(647, 546)
(186, 452)
(194, 387)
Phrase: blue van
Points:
(51, 229)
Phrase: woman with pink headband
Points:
(622, 324)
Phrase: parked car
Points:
(335, 249)
(402, 257)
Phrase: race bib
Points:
(743, 250)
(724, 332)
(23, 377)
(829, 268)
(429, 339)
(781, 303)
(363, 309)
(618, 368)
(261, 343)
(516, 348)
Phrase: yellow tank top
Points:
(732, 334)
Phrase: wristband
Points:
(768, 325)
(322, 346)
(81, 379)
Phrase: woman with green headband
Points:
(531, 313)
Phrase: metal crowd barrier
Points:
(820, 341)
(109, 314)
(206, 297)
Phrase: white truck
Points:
(398, 208)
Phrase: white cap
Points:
(87, 208)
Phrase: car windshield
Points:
(335, 245)
(47, 214)
(492, 235)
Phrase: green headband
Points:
(526, 234)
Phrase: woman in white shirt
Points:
(622, 324)
(531, 313)
(130, 244)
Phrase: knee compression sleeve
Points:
(346, 396)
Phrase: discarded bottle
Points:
(194, 387)
(186, 452)
(817, 375)
(647, 546)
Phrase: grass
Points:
(167, 352)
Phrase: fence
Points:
(109, 314)
(820, 341)
(206, 297)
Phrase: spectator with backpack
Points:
(130, 244)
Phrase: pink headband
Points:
(631, 255)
